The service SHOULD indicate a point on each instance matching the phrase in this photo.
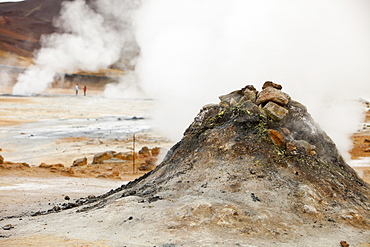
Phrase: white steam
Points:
(192, 51)
(90, 38)
(127, 87)
(5, 79)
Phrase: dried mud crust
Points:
(361, 142)
(361, 148)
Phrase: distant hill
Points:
(23, 23)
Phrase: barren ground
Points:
(60, 127)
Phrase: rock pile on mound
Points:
(253, 170)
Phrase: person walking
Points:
(85, 88)
(76, 89)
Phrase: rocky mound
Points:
(23, 23)
(253, 169)
(264, 153)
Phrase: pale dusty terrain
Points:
(59, 127)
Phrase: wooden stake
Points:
(133, 155)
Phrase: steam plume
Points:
(192, 51)
(90, 38)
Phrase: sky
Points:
(192, 51)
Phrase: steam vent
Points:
(258, 159)
(253, 170)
